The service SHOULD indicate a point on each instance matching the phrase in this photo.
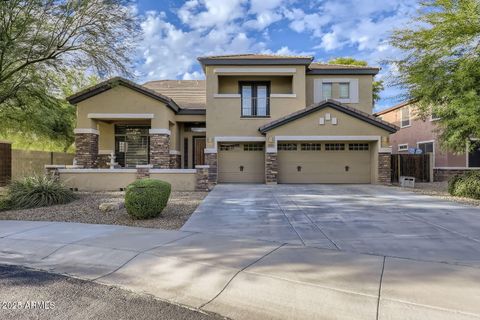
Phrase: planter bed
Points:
(85, 210)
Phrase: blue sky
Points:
(176, 32)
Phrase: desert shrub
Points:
(4, 203)
(146, 198)
(37, 191)
(466, 185)
(452, 182)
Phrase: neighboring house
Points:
(421, 134)
(256, 118)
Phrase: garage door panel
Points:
(324, 166)
(237, 165)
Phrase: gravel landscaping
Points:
(85, 209)
(439, 189)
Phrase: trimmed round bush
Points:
(37, 191)
(146, 198)
(466, 185)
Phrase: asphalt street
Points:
(30, 294)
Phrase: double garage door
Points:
(298, 162)
(324, 162)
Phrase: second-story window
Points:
(344, 90)
(327, 90)
(405, 117)
(255, 99)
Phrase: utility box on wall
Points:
(5, 163)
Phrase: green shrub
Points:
(466, 185)
(4, 203)
(452, 182)
(146, 198)
(37, 191)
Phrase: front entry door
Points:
(199, 149)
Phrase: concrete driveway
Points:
(354, 218)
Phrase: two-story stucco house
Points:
(254, 119)
(416, 133)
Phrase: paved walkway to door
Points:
(355, 218)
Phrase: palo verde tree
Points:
(377, 85)
(41, 41)
(440, 67)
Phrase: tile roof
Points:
(395, 107)
(188, 94)
(329, 103)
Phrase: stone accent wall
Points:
(202, 181)
(446, 174)
(143, 171)
(52, 171)
(212, 162)
(384, 168)
(86, 149)
(175, 161)
(5, 163)
(271, 168)
(103, 160)
(160, 151)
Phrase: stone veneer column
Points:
(211, 161)
(175, 159)
(159, 149)
(143, 171)
(271, 168)
(384, 168)
(201, 177)
(86, 147)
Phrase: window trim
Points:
(254, 85)
(402, 145)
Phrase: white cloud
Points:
(359, 28)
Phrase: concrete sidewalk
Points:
(246, 278)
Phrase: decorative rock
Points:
(111, 206)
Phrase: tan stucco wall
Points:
(116, 180)
(106, 139)
(124, 100)
(179, 181)
(278, 84)
(224, 114)
(346, 126)
(364, 90)
(97, 181)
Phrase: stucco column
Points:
(86, 147)
(384, 168)
(160, 148)
(271, 168)
(211, 161)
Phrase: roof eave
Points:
(246, 62)
(388, 127)
(109, 84)
(343, 71)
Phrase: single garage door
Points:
(241, 163)
(324, 162)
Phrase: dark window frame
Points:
(253, 101)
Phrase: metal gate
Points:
(412, 165)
